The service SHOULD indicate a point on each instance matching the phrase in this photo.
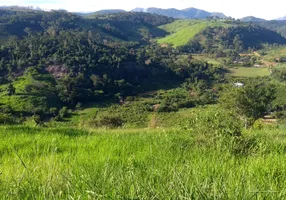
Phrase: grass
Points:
(66, 163)
(24, 101)
(273, 53)
(249, 72)
(182, 31)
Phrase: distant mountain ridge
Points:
(110, 11)
(188, 13)
(281, 18)
(252, 19)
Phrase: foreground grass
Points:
(42, 163)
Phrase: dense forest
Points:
(66, 59)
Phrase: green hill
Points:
(182, 31)
(118, 26)
(218, 34)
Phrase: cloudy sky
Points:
(235, 8)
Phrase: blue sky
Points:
(238, 8)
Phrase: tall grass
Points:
(39, 163)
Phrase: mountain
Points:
(106, 12)
(252, 19)
(278, 26)
(188, 13)
(18, 8)
(281, 18)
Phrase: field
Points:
(65, 163)
(182, 31)
(249, 72)
(273, 53)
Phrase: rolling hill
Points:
(106, 12)
(252, 19)
(181, 32)
(274, 25)
(130, 27)
(281, 18)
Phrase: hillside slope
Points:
(120, 26)
(182, 31)
(215, 32)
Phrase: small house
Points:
(237, 84)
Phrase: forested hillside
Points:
(51, 60)
(275, 25)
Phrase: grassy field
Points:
(65, 163)
(182, 31)
(273, 53)
(249, 72)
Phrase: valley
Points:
(136, 105)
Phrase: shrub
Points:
(7, 119)
(215, 122)
(258, 124)
(7, 109)
(63, 112)
(167, 107)
(37, 119)
(53, 111)
(79, 106)
(110, 122)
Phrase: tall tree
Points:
(249, 102)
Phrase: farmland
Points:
(249, 71)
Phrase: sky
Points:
(235, 8)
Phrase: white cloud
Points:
(264, 9)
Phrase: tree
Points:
(249, 102)
(11, 90)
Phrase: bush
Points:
(110, 122)
(215, 122)
(7, 119)
(63, 112)
(37, 119)
(79, 106)
(7, 109)
(258, 124)
(53, 111)
(167, 107)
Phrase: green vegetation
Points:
(129, 164)
(182, 31)
(249, 71)
(92, 107)
(271, 53)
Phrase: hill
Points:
(281, 18)
(215, 32)
(182, 31)
(106, 12)
(55, 59)
(128, 26)
(252, 19)
(188, 13)
(274, 25)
